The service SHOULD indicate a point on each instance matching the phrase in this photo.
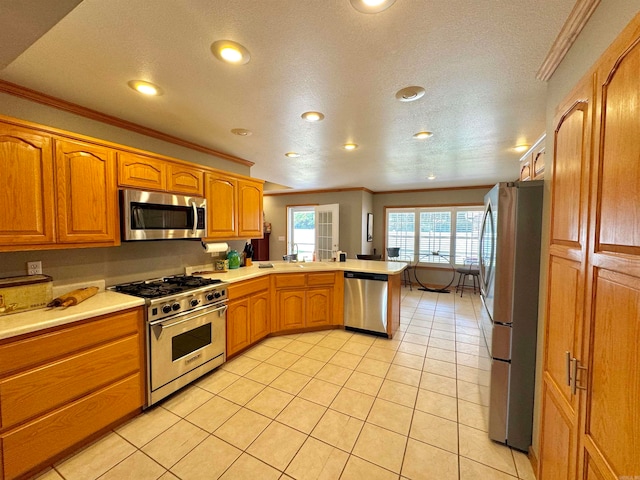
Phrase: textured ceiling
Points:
(476, 59)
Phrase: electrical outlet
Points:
(34, 268)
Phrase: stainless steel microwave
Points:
(161, 216)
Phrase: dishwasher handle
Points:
(380, 277)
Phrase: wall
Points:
(131, 261)
(34, 112)
(606, 23)
(350, 225)
(367, 207)
(426, 198)
(358, 203)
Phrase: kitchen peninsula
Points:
(296, 297)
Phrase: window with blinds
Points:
(435, 235)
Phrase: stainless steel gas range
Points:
(186, 319)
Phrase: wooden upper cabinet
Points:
(86, 193)
(572, 150)
(249, 209)
(26, 187)
(532, 162)
(185, 179)
(141, 172)
(537, 169)
(148, 173)
(222, 205)
(525, 171)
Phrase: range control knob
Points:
(166, 308)
(175, 306)
(194, 302)
(209, 296)
(217, 294)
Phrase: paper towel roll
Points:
(215, 247)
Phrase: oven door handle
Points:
(221, 311)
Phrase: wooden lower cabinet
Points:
(248, 314)
(74, 386)
(238, 325)
(307, 300)
(291, 309)
(260, 312)
(590, 422)
(319, 303)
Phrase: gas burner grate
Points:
(191, 281)
(163, 287)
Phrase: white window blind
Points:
(420, 232)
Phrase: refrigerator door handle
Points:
(501, 342)
(499, 400)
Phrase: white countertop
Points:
(110, 302)
(367, 266)
(34, 320)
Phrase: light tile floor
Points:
(325, 405)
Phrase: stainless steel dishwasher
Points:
(365, 302)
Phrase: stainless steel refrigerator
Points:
(509, 273)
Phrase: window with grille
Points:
(434, 235)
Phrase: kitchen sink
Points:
(300, 266)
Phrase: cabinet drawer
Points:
(242, 289)
(28, 352)
(291, 280)
(321, 279)
(26, 395)
(33, 444)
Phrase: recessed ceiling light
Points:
(371, 6)
(243, 132)
(292, 154)
(410, 94)
(521, 148)
(421, 135)
(146, 88)
(230, 52)
(312, 116)
(350, 146)
(431, 177)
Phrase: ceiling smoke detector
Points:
(410, 94)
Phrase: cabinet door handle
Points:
(574, 385)
(568, 371)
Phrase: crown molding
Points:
(54, 102)
(577, 19)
